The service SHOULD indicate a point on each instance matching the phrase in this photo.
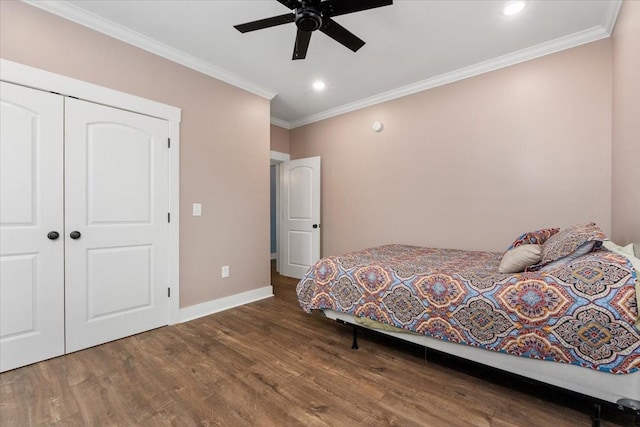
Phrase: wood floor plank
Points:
(271, 386)
(270, 364)
(100, 402)
(44, 387)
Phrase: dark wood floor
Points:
(270, 364)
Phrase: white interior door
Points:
(300, 210)
(31, 206)
(116, 205)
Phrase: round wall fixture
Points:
(377, 126)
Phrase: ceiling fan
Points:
(312, 15)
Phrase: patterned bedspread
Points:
(582, 314)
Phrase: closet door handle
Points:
(75, 235)
(53, 235)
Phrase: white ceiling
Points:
(411, 46)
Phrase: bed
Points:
(560, 307)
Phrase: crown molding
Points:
(87, 19)
(94, 22)
(281, 123)
(612, 16)
(559, 44)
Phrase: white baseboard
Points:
(221, 304)
(274, 255)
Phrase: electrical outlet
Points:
(225, 271)
(197, 209)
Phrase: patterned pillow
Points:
(583, 249)
(569, 240)
(537, 237)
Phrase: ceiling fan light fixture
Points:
(513, 7)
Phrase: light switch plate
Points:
(197, 209)
(225, 271)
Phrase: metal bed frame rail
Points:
(596, 408)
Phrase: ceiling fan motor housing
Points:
(308, 19)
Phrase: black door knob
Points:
(53, 235)
(75, 235)
(315, 226)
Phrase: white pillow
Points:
(626, 251)
(517, 259)
(633, 259)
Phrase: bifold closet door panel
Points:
(31, 212)
(116, 204)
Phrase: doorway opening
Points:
(276, 158)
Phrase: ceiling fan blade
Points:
(342, 7)
(341, 35)
(302, 44)
(265, 23)
(291, 4)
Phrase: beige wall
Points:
(626, 125)
(474, 163)
(224, 143)
(280, 139)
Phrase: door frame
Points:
(275, 158)
(25, 75)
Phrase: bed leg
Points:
(634, 405)
(595, 415)
(354, 346)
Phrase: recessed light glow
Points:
(319, 85)
(513, 7)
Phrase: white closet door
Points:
(31, 206)
(116, 199)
